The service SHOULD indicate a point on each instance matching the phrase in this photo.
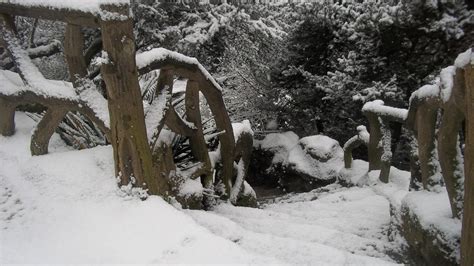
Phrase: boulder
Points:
(297, 165)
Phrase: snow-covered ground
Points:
(65, 207)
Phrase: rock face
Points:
(433, 237)
(297, 165)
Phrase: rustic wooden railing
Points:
(142, 155)
(448, 103)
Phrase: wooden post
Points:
(425, 129)
(197, 142)
(73, 49)
(132, 154)
(467, 239)
(386, 146)
(448, 144)
(375, 151)
(7, 118)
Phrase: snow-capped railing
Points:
(452, 94)
(143, 156)
(362, 138)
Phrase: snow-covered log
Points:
(362, 138)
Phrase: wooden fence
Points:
(435, 118)
(143, 159)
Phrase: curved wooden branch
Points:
(189, 68)
(28, 97)
(45, 50)
(362, 138)
(92, 50)
(174, 121)
(196, 140)
(45, 129)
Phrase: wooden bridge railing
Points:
(146, 160)
(448, 102)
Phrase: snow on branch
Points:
(45, 50)
(160, 55)
(377, 107)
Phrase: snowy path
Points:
(337, 227)
(64, 207)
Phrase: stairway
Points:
(333, 225)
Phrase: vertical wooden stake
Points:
(375, 151)
(467, 239)
(132, 154)
(73, 49)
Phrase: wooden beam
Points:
(59, 14)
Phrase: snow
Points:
(12, 85)
(65, 207)
(241, 128)
(190, 187)
(34, 80)
(86, 6)
(433, 211)
(290, 151)
(321, 146)
(463, 59)
(379, 108)
(160, 54)
(341, 226)
(281, 143)
(447, 82)
(426, 91)
(92, 97)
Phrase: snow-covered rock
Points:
(297, 164)
(431, 232)
(321, 147)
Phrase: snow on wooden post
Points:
(132, 154)
(467, 239)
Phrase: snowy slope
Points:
(65, 207)
(342, 226)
